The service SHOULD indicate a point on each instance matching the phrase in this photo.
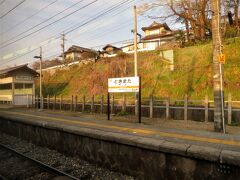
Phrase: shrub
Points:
(231, 32)
(122, 55)
(122, 113)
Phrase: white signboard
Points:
(125, 84)
(24, 78)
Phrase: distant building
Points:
(110, 50)
(156, 35)
(77, 53)
(17, 85)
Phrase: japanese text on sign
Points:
(221, 58)
(125, 84)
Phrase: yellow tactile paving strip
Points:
(134, 130)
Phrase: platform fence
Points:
(152, 107)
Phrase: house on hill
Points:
(17, 85)
(156, 35)
(77, 53)
(110, 50)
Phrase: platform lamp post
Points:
(40, 83)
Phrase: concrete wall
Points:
(143, 158)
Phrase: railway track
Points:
(15, 165)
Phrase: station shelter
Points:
(17, 85)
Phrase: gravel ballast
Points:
(72, 165)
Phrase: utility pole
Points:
(63, 46)
(135, 55)
(40, 79)
(135, 41)
(219, 124)
(41, 94)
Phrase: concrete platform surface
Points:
(194, 143)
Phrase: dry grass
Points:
(192, 74)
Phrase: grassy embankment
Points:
(192, 74)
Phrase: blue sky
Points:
(113, 27)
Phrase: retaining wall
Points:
(143, 158)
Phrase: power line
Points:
(21, 22)
(12, 9)
(99, 15)
(121, 26)
(2, 2)
(115, 28)
(102, 13)
(48, 25)
(117, 6)
(109, 31)
(41, 22)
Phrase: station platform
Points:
(188, 132)
(174, 136)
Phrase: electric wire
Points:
(107, 31)
(23, 21)
(89, 20)
(15, 7)
(12, 38)
(2, 2)
(96, 17)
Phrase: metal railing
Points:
(150, 105)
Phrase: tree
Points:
(236, 8)
(216, 37)
(193, 13)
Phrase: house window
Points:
(5, 89)
(144, 45)
(153, 32)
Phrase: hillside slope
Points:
(192, 74)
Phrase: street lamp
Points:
(40, 57)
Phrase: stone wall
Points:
(143, 158)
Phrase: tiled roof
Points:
(75, 48)
(109, 45)
(156, 25)
(25, 67)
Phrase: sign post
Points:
(108, 105)
(139, 102)
(122, 85)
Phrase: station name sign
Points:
(24, 78)
(125, 84)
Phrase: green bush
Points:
(231, 32)
(122, 113)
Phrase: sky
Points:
(25, 25)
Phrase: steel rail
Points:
(40, 164)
